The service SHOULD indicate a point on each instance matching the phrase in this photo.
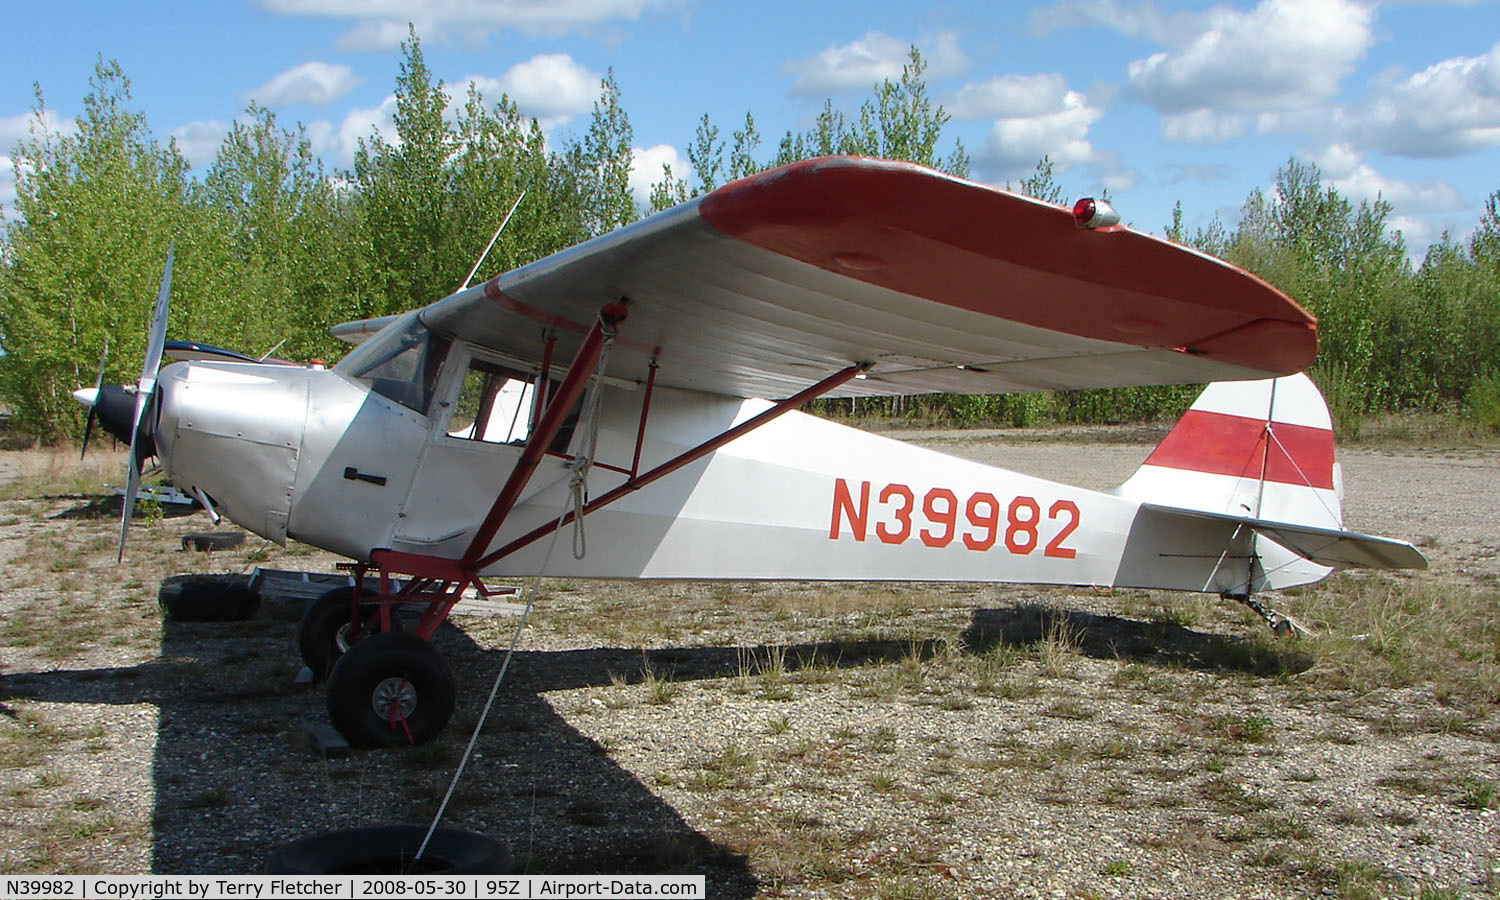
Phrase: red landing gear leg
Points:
(388, 686)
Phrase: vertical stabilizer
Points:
(1256, 449)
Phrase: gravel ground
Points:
(790, 740)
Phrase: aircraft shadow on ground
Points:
(1132, 640)
(233, 777)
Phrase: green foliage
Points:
(1484, 400)
(899, 122)
(1041, 184)
(97, 210)
(601, 163)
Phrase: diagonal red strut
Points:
(558, 405)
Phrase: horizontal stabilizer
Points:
(1324, 546)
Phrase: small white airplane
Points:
(617, 383)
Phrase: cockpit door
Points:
(482, 415)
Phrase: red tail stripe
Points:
(1222, 444)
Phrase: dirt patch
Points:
(799, 740)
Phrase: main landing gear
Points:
(386, 687)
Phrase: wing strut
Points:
(439, 582)
(558, 405)
(636, 482)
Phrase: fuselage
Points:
(385, 453)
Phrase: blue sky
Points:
(1156, 101)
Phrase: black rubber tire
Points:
(213, 540)
(388, 849)
(318, 633)
(207, 598)
(378, 665)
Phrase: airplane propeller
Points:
(145, 388)
(91, 400)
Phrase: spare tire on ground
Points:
(208, 598)
(389, 850)
(213, 540)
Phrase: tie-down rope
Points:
(578, 487)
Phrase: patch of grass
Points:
(731, 767)
(883, 782)
(1476, 793)
(1360, 879)
(1059, 645)
(1117, 868)
(660, 690)
(1230, 794)
(60, 473)
(1069, 708)
(1387, 632)
(1244, 729)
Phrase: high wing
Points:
(938, 284)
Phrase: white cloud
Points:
(1450, 108)
(7, 187)
(1141, 20)
(645, 169)
(1009, 96)
(199, 141)
(1202, 126)
(322, 136)
(14, 129)
(380, 22)
(871, 59)
(313, 83)
(551, 88)
(360, 122)
(1034, 116)
(1345, 170)
(375, 35)
(1282, 54)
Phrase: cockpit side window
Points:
(401, 362)
(494, 405)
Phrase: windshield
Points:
(400, 362)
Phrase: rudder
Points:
(1257, 449)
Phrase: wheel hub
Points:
(394, 694)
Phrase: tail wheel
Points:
(326, 632)
(390, 689)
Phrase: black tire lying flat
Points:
(322, 636)
(390, 689)
(213, 540)
(207, 598)
(388, 850)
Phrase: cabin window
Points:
(401, 362)
(494, 405)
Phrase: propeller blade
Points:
(88, 423)
(88, 429)
(132, 487)
(156, 338)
